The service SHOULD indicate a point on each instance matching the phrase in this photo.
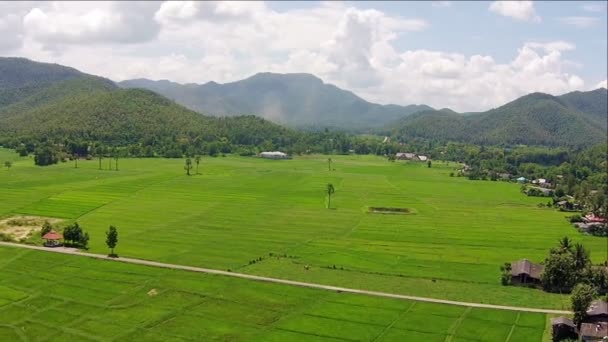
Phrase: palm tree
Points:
(565, 244)
(330, 191)
(197, 159)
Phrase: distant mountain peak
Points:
(294, 99)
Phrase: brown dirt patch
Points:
(152, 293)
(21, 226)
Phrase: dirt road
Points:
(73, 251)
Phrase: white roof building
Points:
(423, 158)
(273, 155)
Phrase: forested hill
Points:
(21, 78)
(136, 118)
(576, 119)
(296, 100)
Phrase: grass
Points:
(239, 209)
(53, 297)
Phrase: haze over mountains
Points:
(38, 98)
(296, 100)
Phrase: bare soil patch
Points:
(21, 226)
(389, 210)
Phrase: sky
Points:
(467, 56)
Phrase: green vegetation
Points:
(582, 296)
(449, 246)
(69, 298)
(112, 239)
(330, 191)
(574, 119)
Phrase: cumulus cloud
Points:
(519, 10)
(357, 49)
(603, 84)
(60, 23)
(580, 22)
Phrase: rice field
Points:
(239, 209)
(53, 297)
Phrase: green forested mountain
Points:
(26, 84)
(575, 120)
(134, 117)
(297, 100)
(592, 103)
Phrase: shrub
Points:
(505, 277)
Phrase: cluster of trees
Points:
(579, 173)
(569, 264)
(75, 236)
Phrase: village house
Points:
(594, 331)
(52, 239)
(405, 156)
(563, 328)
(273, 155)
(522, 180)
(526, 272)
(423, 158)
(597, 312)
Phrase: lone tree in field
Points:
(428, 163)
(188, 166)
(330, 191)
(197, 160)
(582, 296)
(112, 239)
(8, 165)
(328, 164)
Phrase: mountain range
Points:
(40, 99)
(295, 100)
(574, 119)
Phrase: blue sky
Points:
(468, 56)
(469, 28)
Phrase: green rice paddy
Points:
(238, 209)
(54, 297)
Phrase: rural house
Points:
(423, 158)
(405, 156)
(522, 180)
(526, 272)
(597, 312)
(52, 239)
(594, 331)
(563, 328)
(273, 155)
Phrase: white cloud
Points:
(603, 84)
(58, 23)
(519, 10)
(441, 4)
(598, 6)
(357, 49)
(580, 22)
(559, 45)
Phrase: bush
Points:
(575, 218)
(505, 277)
